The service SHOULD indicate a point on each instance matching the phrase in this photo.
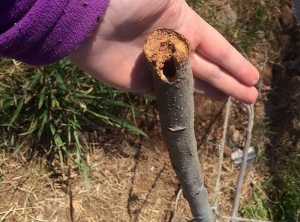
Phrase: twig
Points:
(176, 204)
(221, 153)
(250, 111)
(8, 212)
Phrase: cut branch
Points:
(167, 54)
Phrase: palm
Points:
(113, 53)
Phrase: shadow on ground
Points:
(283, 123)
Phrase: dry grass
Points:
(126, 182)
(130, 180)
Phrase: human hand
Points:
(113, 53)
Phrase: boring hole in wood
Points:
(169, 69)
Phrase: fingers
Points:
(216, 48)
(223, 54)
(218, 77)
(216, 62)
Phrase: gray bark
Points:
(173, 83)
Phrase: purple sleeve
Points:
(40, 32)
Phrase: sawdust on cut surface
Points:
(163, 45)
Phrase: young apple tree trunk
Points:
(167, 54)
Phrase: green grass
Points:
(53, 105)
(286, 188)
(195, 2)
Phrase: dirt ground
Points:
(131, 178)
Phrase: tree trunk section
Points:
(167, 54)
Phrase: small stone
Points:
(235, 136)
(203, 124)
(157, 118)
(227, 151)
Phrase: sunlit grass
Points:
(53, 104)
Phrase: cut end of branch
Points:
(165, 49)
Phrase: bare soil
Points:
(131, 178)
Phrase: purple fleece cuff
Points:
(40, 32)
